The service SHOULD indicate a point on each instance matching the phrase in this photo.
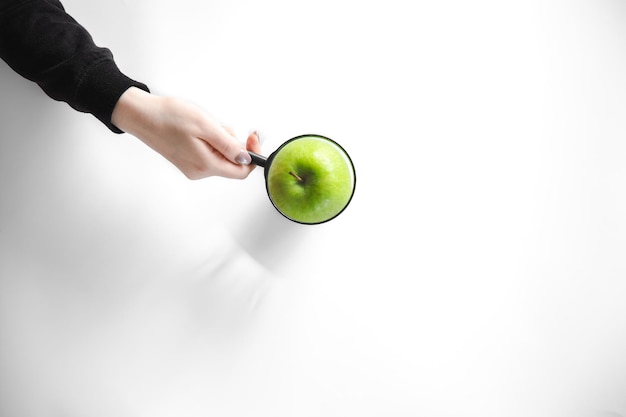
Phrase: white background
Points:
(479, 270)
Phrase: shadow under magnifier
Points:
(271, 239)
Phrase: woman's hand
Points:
(184, 134)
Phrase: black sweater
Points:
(44, 44)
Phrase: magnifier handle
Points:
(257, 159)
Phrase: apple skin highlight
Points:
(310, 180)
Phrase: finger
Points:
(254, 143)
(242, 171)
(234, 171)
(229, 130)
(223, 142)
(206, 161)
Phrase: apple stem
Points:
(296, 176)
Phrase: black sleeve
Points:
(44, 44)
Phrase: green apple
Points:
(310, 179)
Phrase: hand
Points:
(184, 134)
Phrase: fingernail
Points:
(243, 158)
(258, 135)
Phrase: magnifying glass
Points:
(310, 179)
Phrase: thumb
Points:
(226, 143)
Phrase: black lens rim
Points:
(314, 135)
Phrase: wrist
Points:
(128, 112)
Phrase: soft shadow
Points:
(23, 142)
(271, 239)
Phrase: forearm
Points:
(44, 44)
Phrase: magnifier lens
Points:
(310, 179)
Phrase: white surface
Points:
(479, 270)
